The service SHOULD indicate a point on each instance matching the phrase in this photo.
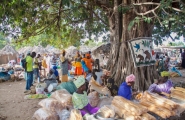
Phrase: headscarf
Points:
(79, 82)
(130, 78)
(87, 55)
(165, 74)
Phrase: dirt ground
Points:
(13, 106)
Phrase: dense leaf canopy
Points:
(70, 20)
(3, 40)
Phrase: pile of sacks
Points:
(59, 106)
(56, 107)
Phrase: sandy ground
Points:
(13, 106)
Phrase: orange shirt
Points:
(88, 63)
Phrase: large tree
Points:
(124, 19)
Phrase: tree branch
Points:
(157, 17)
(146, 3)
(99, 18)
(178, 10)
(150, 11)
(37, 33)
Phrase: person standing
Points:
(44, 64)
(183, 59)
(64, 67)
(29, 70)
(48, 62)
(78, 65)
(88, 61)
(36, 68)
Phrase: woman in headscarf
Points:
(80, 98)
(78, 65)
(125, 89)
(88, 61)
(64, 67)
(162, 85)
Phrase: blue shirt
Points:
(56, 72)
(125, 91)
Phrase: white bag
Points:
(43, 114)
(51, 104)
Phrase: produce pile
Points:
(159, 105)
(130, 110)
(59, 106)
(178, 93)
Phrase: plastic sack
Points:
(108, 111)
(51, 104)
(75, 115)
(63, 96)
(93, 98)
(64, 114)
(43, 114)
(40, 88)
(105, 101)
(173, 69)
(69, 86)
(5, 76)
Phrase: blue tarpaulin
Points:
(4, 76)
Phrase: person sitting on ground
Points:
(110, 83)
(80, 98)
(125, 89)
(163, 85)
(51, 78)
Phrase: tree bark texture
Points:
(120, 60)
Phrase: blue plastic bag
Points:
(173, 69)
(4, 76)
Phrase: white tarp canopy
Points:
(71, 51)
(84, 49)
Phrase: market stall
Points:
(8, 53)
(145, 106)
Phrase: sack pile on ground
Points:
(129, 110)
(55, 108)
(159, 105)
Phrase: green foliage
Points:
(123, 10)
(51, 17)
(3, 40)
(67, 20)
(137, 21)
(92, 43)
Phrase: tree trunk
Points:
(120, 61)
